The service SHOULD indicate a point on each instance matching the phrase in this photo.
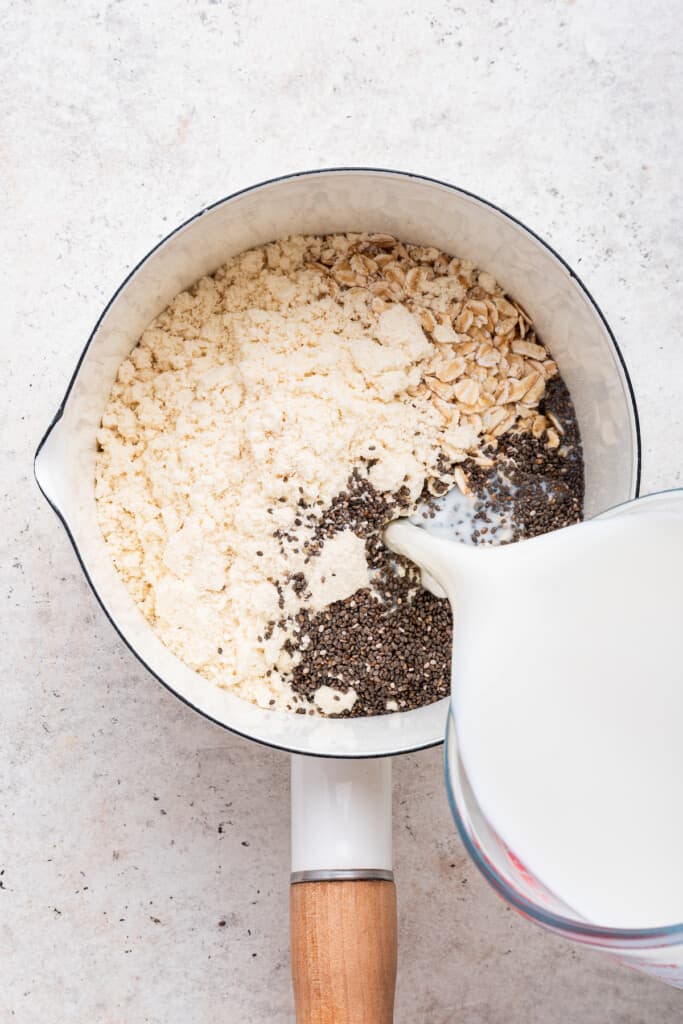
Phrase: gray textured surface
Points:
(129, 826)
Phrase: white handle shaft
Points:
(341, 816)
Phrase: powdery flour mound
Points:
(302, 379)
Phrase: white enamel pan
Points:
(343, 899)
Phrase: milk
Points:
(568, 704)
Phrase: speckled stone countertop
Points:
(143, 851)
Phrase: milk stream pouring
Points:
(568, 706)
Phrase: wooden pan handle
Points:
(343, 939)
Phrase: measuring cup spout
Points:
(443, 562)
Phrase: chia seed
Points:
(391, 643)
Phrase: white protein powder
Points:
(253, 395)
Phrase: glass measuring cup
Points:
(656, 951)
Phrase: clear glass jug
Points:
(654, 951)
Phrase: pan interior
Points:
(413, 209)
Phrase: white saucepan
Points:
(343, 900)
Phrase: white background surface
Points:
(130, 827)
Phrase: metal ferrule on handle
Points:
(358, 874)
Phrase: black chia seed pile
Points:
(532, 488)
(392, 643)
